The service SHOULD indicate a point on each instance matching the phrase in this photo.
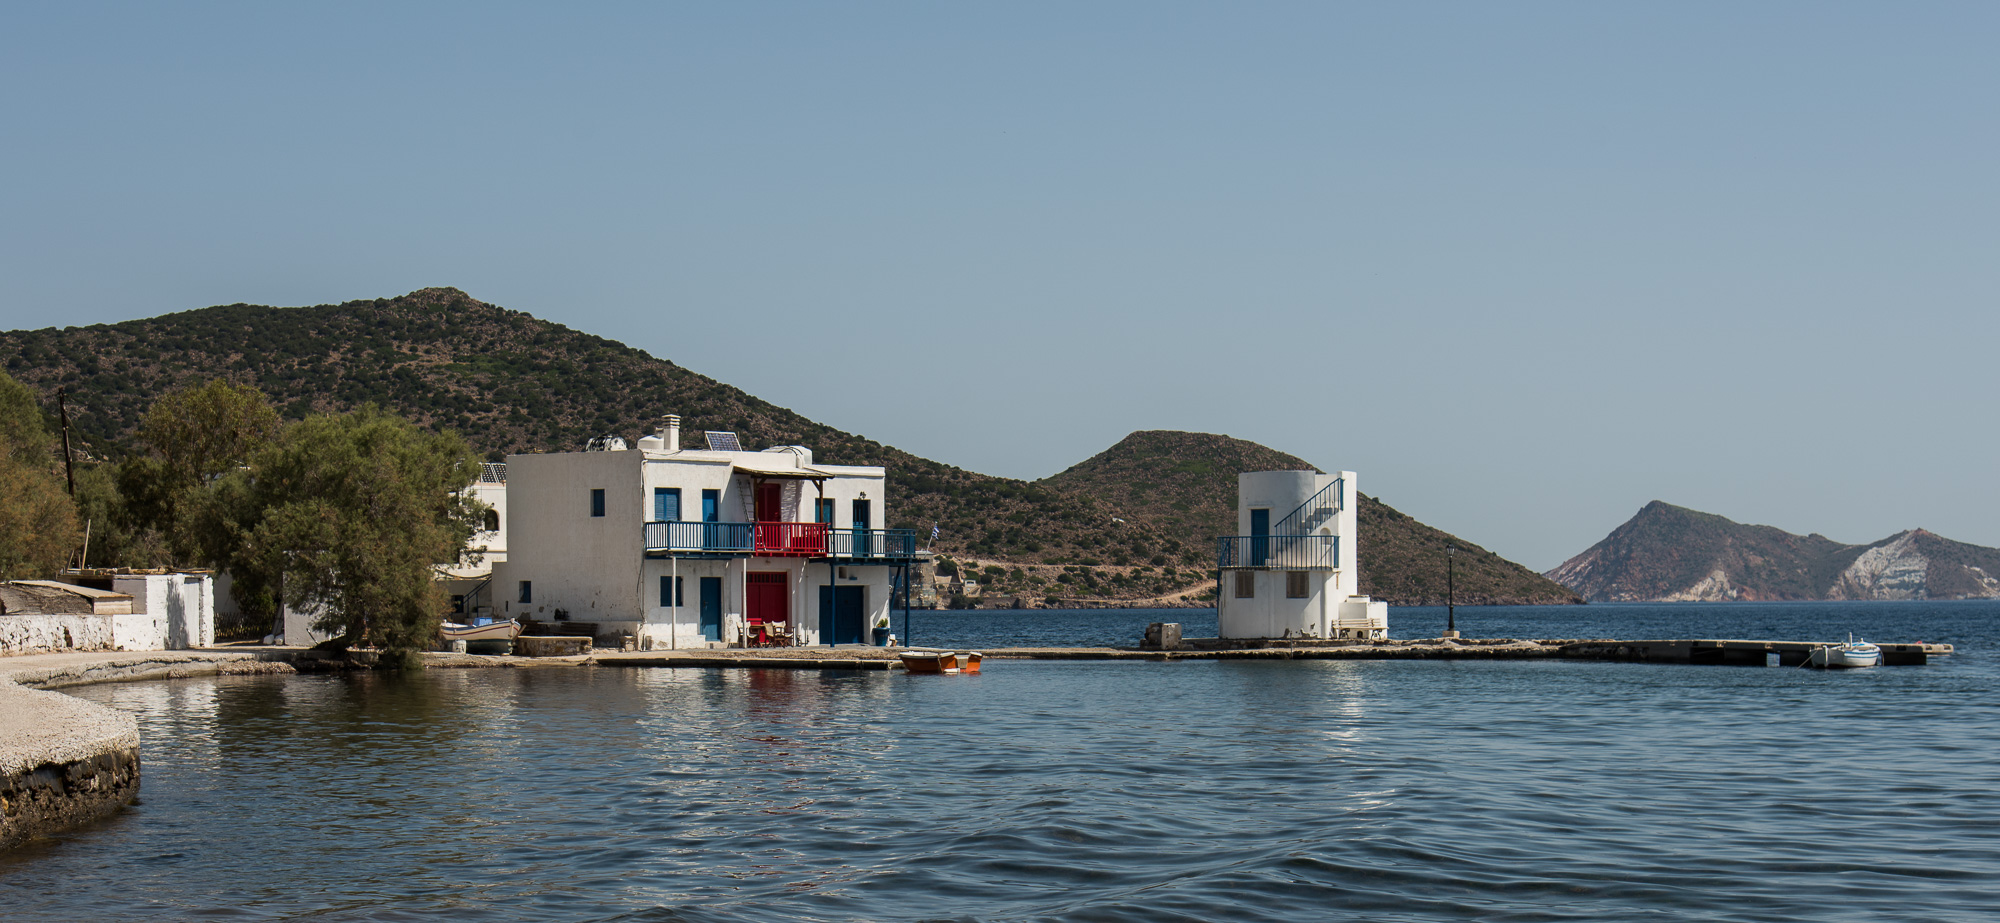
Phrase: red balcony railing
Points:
(803, 539)
(778, 539)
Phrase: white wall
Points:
(664, 627)
(169, 612)
(587, 565)
(46, 634)
(596, 569)
(1331, 606)
(145, 629)
(298, 627)
(495, 543)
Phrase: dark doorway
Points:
(840, 615)
(711, 608)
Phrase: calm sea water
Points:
(1198, 790)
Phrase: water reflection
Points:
(1236, 790)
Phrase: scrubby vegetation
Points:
(1136, 522)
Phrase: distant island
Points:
(1668, 553)
(1131, 526)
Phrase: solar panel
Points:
(719, 441)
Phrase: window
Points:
(668, 592)
(492, 520)
(666, 505)
(527, 592)
(1246, 584)
(597, 501)
(1295, 585)
(823, 511)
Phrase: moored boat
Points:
(501, 630)
(930, 661)
(940, 661)
(1851, 654)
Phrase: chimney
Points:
(672, 432)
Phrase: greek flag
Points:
(934, 532)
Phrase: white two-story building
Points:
(700, 547)
(1290, 571)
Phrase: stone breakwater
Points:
(65, 762)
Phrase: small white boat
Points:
(502, 630)
(1851, 654)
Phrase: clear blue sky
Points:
(1524, 266)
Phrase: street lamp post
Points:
(1451, 591)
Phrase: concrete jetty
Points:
(1732, 652)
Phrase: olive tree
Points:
(351, 514)
(193, 435)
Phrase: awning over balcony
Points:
(777, 471)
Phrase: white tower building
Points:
(1290, 571)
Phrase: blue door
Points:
(840, 616)
(711, 512)
(711, 608)
(862, 547)
(1260, 543)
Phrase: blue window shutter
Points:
(666, 504)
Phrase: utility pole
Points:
(1451, 591)
(69, 467)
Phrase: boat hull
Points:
(1847, 656)
(492, 631)
(929, 662)
(934, 662)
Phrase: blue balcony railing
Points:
(1279, 552)
(871, 543)
(701, 537)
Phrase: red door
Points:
(767, 605)
(770, 503)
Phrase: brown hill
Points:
(510, 382)
(1137, 521)
(1187, 483)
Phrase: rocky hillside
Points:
(510, 382)
(1187, 483)
(1670, 553)
(1135, 522)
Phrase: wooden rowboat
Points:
(930, 661)
(503, 630)
(940, 661)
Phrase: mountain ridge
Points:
(1668, 553)
(511, 382)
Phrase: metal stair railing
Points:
(1300, 523)
(1317, 509)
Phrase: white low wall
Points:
(48, 634)
(169, 612)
